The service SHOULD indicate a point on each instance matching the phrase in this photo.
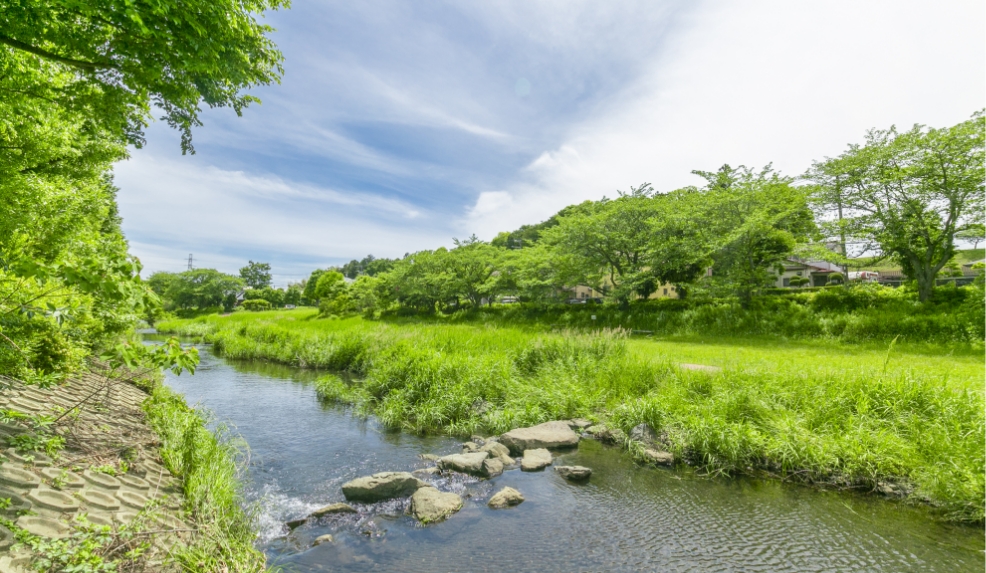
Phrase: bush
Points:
(256, 305)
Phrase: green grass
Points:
(206, 462)
(820, 411)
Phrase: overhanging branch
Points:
(81, 64)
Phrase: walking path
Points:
(105, 431)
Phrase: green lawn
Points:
(859, 416)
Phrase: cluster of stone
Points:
(47, 497)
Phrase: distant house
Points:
(665, 290)
(817, 272)
(582, 293)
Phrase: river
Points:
(626, 518)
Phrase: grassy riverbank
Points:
(206, 463)
(858, 416)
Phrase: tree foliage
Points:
(118, 58)
(907, 195)
(256, 275)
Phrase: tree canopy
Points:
(115, 59)
(907, 195)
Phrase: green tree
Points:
(754, 220)
(308, 292)
(200, 288)
(907, 195)
(606, 243)
(256, 275)
(126, 56)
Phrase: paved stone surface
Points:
(46, 495)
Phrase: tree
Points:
(908, 195)
(125, 57)
(308, 292)
(330, 283)
(256, 275)
(197, 288)
(753, 221)
(606, 243)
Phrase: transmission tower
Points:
(190, 260)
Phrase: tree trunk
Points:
(926, 284)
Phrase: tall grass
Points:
(867, 426)
(206, 462)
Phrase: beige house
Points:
(817, 272)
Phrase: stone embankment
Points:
(487, 458)
(102, 423)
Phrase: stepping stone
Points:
(506, 497)
(574, 473)
(99, 500)
(547, 435)
(29, 458)
(18, 478)
(428, 505)
(322, 539)
(134, 483)
(535, 460)
(101, 480)
(17, 506)
(332, 509)
(43, 526)
(131, 499)
(124, 517)
(66, 479)
(100, 519)
(6, 538)
(52, 500)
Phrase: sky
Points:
(399, 126)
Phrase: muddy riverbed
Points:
(626, 518)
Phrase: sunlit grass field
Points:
(863, 416)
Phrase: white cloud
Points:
(758, 82)
(173, 207)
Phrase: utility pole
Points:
(190, 261)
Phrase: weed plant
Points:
(870, 420)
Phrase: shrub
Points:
(256, 305)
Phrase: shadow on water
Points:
(626, 518)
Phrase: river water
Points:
(626, 518)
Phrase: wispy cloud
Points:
(401, 124)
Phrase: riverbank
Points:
(862, 418)
(103, 475)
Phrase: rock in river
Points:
(332, 509)
(659, 457)
(429, 505)
(498, 451)
(506, 497)
(465, 463)
(643, 433)
(383, 485)
(574, 473)
(492, 467)
(535, 460)
(546, 435)
(323, 539)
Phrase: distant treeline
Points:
(909, 197)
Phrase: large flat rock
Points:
(535, 460)
(466, 463)
(428, 505)
(547, 435)
(380, 486)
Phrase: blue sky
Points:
(400, 125)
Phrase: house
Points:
(817, 272)
(582, 293)
(665, 290)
